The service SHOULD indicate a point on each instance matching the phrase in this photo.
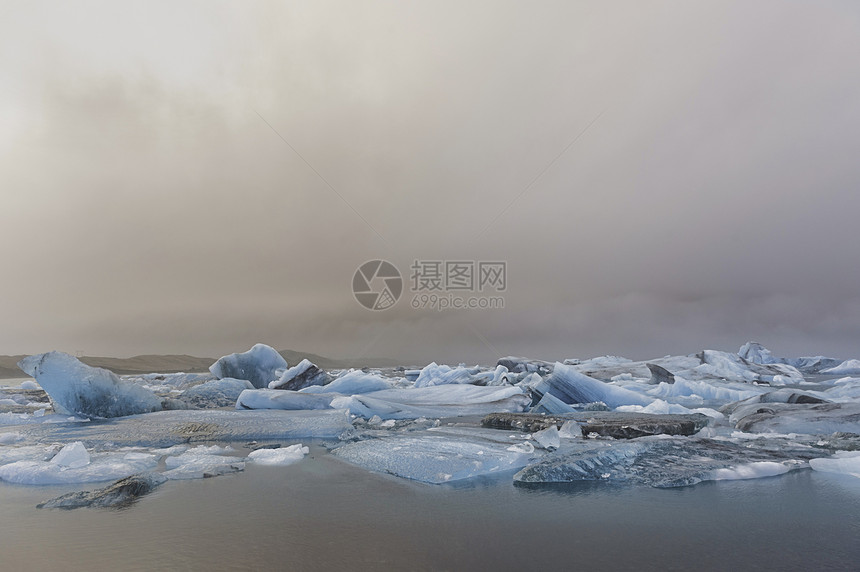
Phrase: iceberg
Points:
(216, 393)
(548, 438)
(352, 382)
(754, 352)
(435, 401)
(305, 374)
(76, 388)
(74, 456)
(283, 399)
(259, 365)
(571, 386)
(434, 374)
(848, 367)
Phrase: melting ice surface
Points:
(765, 416)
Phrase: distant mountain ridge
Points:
(186, 363)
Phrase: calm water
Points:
(322, 513)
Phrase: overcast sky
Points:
(660, 177)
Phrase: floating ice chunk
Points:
(102, 467)
(201, 462)
(257, 365)
(570, 429)
(74, 456)
(77, 388)
(552, 405)
(708, 391)
(751, 471)
(216, 393)
(283, 399)
(352, 382)
(846, 462)
(435, 401)
(305, 374)
(661, 407)
(548, 438)
(437, 457)
(726, 366)
(29, 384)
(848, 367)
(571, 386)
(281, 456)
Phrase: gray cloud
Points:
(147, 207)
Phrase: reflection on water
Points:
(322, 513)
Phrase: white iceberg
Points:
(848, 367)
(281, 456)
(259, 365)
(76, 388)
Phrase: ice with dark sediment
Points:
(166, 428)
(121, 493)
(305, 374)
(809, 418)
(665, 462)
